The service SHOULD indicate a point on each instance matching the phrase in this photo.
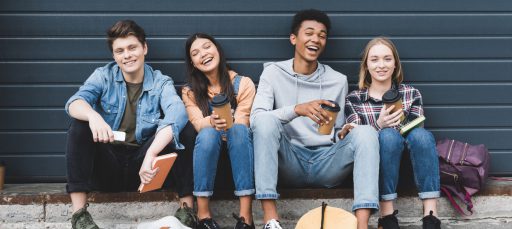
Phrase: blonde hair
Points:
(365, 79)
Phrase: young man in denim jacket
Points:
(128, 96)
(285, 116)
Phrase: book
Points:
(164, 162)
(412, 124)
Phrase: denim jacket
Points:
(158, 106)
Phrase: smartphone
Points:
(119, 136)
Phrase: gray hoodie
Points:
(280, 89)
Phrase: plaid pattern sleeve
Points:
(413, 102)
(361, 109)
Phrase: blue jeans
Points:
(206, 155)
(422, 149)
(322, 166)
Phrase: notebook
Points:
(412, 124)
(164, 162)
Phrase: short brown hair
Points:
(125, 28)
(365, 79)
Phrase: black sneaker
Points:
(431, 222)
(389, 221)
(207, 223)
(81, 219)
(186, 216)
(240, 223)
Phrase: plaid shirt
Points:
(362, 109)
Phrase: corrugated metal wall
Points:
(458, 53)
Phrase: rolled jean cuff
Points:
(387, 197)
(267, 196)
(374, 206)
(429, 195)
(246, 192)
(203, 193)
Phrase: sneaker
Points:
(272, 224)
(187, 216)
(389, 221)
(240, 223)
(431, 222)
(207, 223)
(81, 219)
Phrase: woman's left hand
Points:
(217, 123)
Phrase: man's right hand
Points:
(101, 131)
(314, 111)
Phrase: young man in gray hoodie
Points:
(285, 118)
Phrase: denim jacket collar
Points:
(147, 84)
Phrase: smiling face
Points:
(129, 54)
(205, 56)
(309, 41)
(380, 63)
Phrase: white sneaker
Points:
(272, 224)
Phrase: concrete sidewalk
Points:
(48, 206)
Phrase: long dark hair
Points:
(199, 83)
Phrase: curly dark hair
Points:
(310, 14)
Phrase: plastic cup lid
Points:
(336, 107)
(219, 100)
(391, 96)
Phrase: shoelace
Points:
(273, 224)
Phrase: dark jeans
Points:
(114, 167)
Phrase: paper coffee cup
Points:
(392, 97)
(222, 108)
(326, 129)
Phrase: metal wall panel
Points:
(458, 53)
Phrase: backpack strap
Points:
(236, 83)
(236, 87)
(466, 200)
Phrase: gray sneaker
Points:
(187, 216)
(83, 220)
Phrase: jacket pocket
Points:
(109, 112)
(149, 125)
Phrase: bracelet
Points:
(378, 126)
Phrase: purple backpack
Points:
(463, 168)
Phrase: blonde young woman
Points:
(381, 71)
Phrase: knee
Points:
(420, 137)
(264, 123)
(239, 135)
(207, 138)
(364, 134)
(79, 128)
(239, 130)
(390, 138)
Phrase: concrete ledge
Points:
(53, 193)
(48, 206)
